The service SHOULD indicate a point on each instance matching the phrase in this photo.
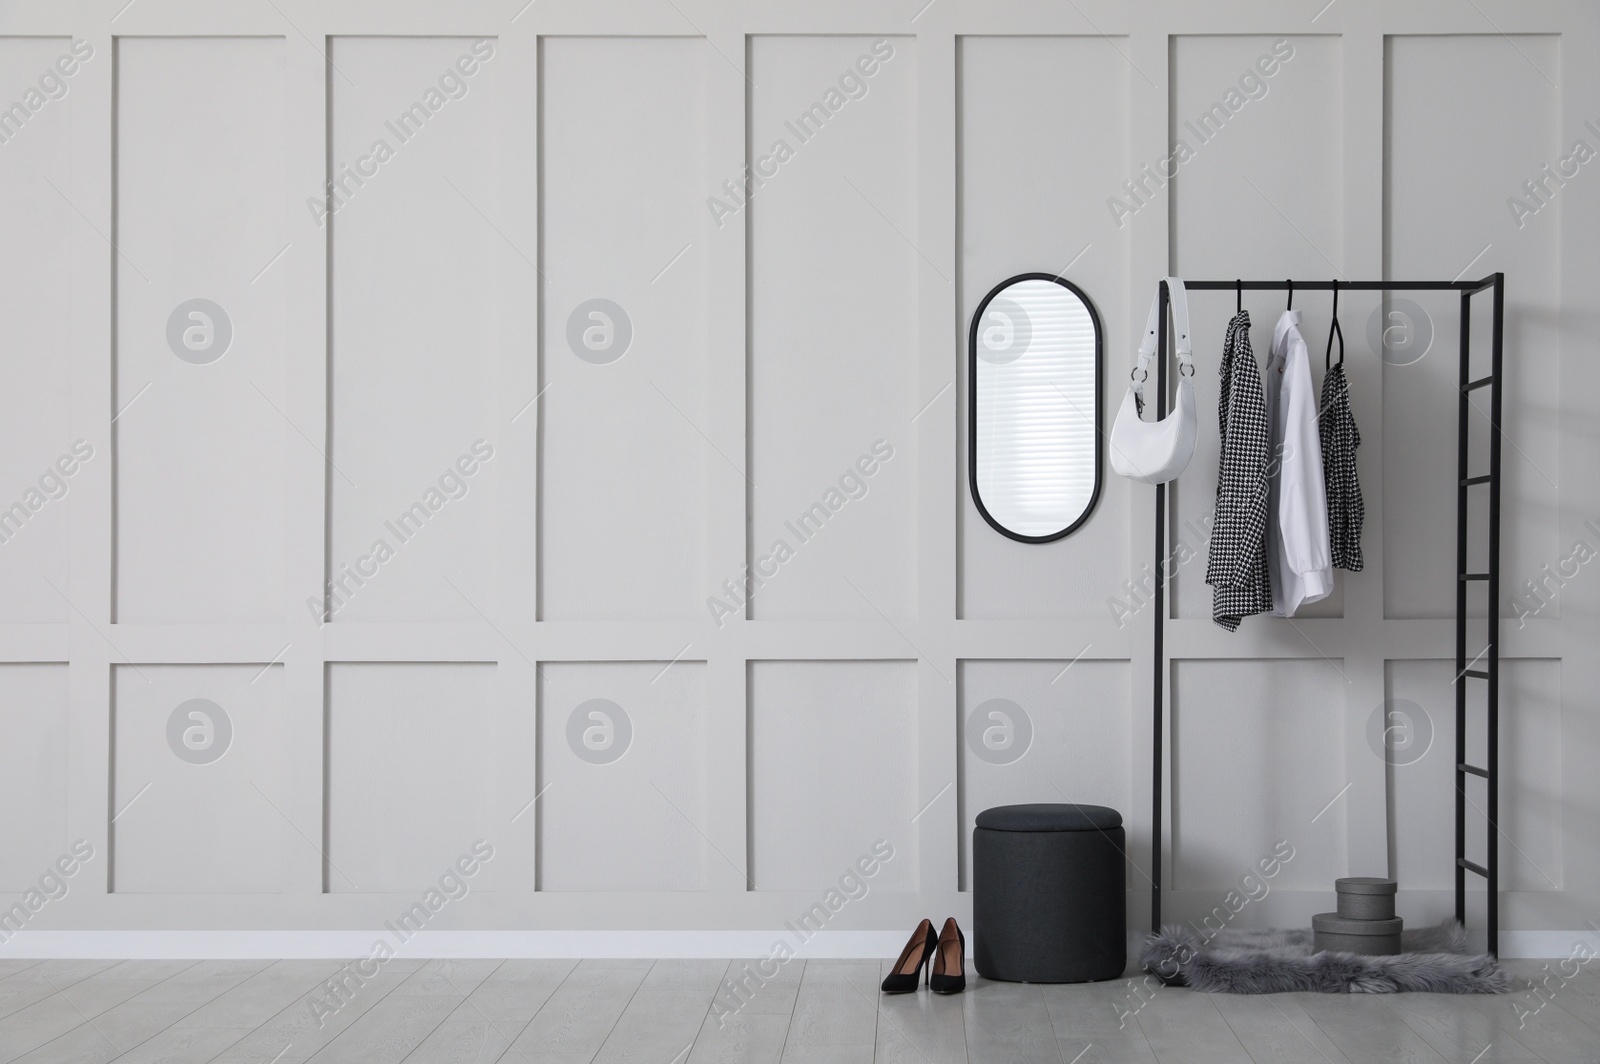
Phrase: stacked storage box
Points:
(1365, 922)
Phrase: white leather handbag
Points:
(1157, 451)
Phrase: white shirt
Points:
(1298, 555)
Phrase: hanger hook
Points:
(1290, 283)
(1238, 295)
(1334, 330)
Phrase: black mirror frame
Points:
(972, 407)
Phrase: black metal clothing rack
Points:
(1490, 656)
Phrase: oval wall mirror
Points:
(1033, 407)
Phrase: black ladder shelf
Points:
(1466, 669)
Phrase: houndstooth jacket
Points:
(1236, 567)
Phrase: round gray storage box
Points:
(1377, 938)
(1048, 901)
(1365, 897)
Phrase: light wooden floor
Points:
(660, 1012)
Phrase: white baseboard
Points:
(335, 945)
(1533, 944)
(169, 945)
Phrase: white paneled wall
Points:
(1257, 759)
(808, 826)
(623, 464)
(35, 299)
(411, 436)
(541, 427)
(33, 709)
(198, 356)
(174, 827)
(405, 751)
(833, 323)
(623, 815)
(1440, 99)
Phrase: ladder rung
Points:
(1474, 769)
(1481, 382)
(1479, 673)
(1470, 481)
(1473, 866)
(1474, 576)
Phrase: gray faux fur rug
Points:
(1236, 961)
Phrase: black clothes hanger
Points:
(1334, 330)
(1238, 296)
(1291, 295)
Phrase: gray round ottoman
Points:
(1048, 902)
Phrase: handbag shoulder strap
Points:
(1178, 299)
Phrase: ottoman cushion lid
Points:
(1047, 816)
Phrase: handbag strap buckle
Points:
(1178, 299)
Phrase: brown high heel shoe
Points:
(949, 961)
(907, 971)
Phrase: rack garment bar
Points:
(1466, 670)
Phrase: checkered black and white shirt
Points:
(1340, 438)
(1236, 568)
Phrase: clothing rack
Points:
(1465, 480)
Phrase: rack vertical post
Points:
(1463, 409)
(1492, 633)
(1158, 676)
